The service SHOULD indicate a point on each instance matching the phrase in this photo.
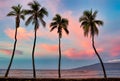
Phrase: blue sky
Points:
(76, 49)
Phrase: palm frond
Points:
(17, 9)
(86, 30)
(53, 24)
(34, 5)
(22, 16)
(66, 30)
(87, 13)
(42, 21)
(98, 22)
(43, 11)
(95, 14)
(12, 13)
(57, 18)
(84, 23)
(53, 28)
(83, 18)
(64, 21)
(28, 12)
(29, 20)
(22, 11)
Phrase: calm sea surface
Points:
(65, 74)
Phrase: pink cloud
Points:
(23, 34)
(115, 51)
(9, 52)
(80, 54)
(111, 46)
(5, 44)
(46, 49)
(51, 48)
(76, 36)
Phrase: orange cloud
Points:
(23, 34)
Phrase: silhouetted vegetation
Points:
(18, 13)
(37, 14)
(61, 24)
(89, 25)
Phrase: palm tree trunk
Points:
(33, 61)
(105, 76)
(13, 53)
(59, 63)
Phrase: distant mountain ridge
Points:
(97, 66)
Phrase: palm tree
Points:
(18, 13)
(37, 14)
(61, 24)
(90, 26)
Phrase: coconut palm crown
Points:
(89, 23)
(37, 14)
(59, 23)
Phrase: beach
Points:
(26, 73)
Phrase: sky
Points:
(77, 50)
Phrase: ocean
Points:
(21, 73)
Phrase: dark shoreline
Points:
(63, 79)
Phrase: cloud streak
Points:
(80, 54)
(114, 61)
(46, 49)
(9, 51)
(23, 34)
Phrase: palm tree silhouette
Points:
(89, 24)
(37, 14)
(61, 24)
(18, 13)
